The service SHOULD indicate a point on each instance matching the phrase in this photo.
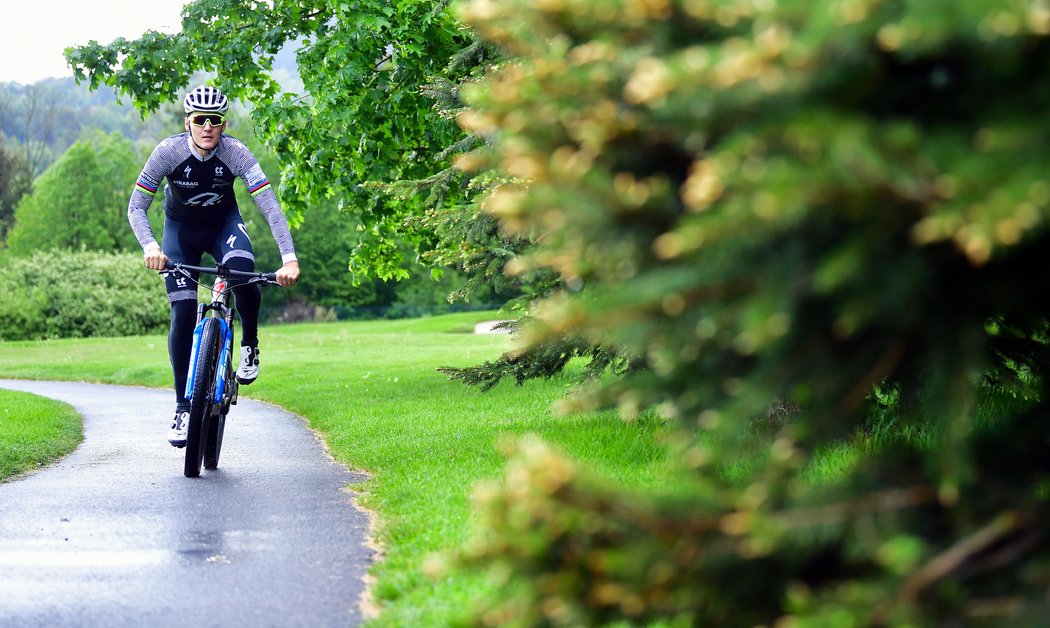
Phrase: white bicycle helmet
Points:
(206, 98)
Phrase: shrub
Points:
(65, 294)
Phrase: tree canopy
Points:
(362, 122)
(80, 202)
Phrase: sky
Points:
(34, 34)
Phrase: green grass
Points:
(371, 390)
(34, 431)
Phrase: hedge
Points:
(67, 294)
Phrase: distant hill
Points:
(54, 112)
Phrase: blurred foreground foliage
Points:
(805, 201)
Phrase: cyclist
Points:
(201, 215)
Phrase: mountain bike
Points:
(211, 385)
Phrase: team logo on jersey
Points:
(187, 172)
(218, 171)
(205, 199)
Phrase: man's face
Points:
(206, 128)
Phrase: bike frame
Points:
(211, 360)
(223, 311)
(220, 305)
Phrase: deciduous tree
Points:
(15, 181)
(80, 202)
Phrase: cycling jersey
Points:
(200, 189)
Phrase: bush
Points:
(65, 294)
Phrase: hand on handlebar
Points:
(288, 274)
(155, 259)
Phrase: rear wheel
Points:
(201, 398)
(218, 422)
(214, 446)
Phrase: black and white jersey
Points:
(200, 189)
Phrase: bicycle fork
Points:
(225, 344)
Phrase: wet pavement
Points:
(115, 535)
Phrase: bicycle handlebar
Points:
(215, 270)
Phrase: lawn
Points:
(34, 431)
(371, 390)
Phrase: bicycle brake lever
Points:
(174, 270)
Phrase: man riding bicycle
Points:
(201, 215)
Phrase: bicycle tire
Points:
(200, 402)
(217, 425)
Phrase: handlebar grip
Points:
(271, 277)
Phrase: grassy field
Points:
(370, 389)
(34, 432)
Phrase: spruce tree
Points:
(834, 206)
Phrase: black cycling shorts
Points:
(227, 242)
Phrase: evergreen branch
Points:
(545, 359)
(951, 559)
(467, 144)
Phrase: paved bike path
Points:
(114, 535)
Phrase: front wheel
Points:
(201, 397)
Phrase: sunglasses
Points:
(213, 119)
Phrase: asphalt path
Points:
(115, 535)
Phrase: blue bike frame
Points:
(220, 305)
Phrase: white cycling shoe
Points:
(179, 426)
(249, 367)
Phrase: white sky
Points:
(34, 33)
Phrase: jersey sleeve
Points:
(146, 187)
(265, 198)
